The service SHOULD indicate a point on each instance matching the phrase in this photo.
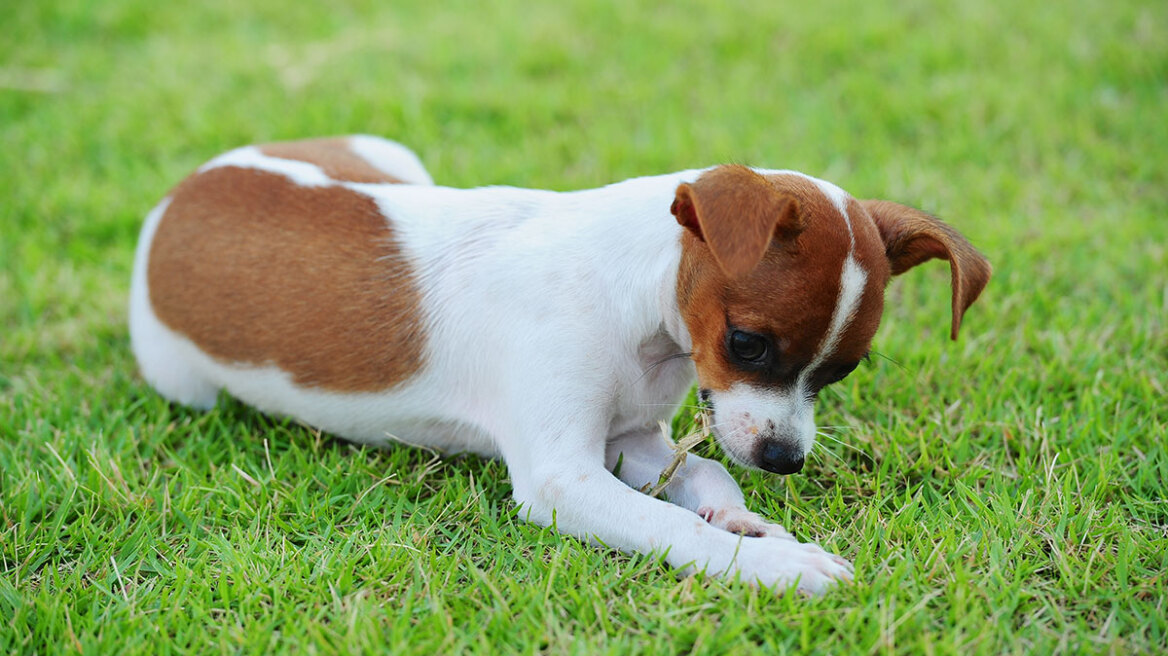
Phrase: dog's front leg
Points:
(563, 481)
(701, 485)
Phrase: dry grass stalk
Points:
(681, 448)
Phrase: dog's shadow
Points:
(233, 438)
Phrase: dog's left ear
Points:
(911, 237)
(737, 213)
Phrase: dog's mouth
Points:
(750, 443)
(709, 421)
(766, 454)
(732, 451)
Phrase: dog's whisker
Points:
(830, 437)
(823, 449)
(672, 405)
(843, 444)
(720, 424)
(877, 354)
(668, 358)
(732, 434)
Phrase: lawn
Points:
(1005, 493)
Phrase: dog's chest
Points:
(654, 385)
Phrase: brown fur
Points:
(765, 254)
(911, 237)
(870, 256)
(258, 270)
(790, 294)
(737, 213)
(332, 155)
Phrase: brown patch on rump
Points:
(333, 155)
(256, 269)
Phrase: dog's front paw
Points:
(778, 563)
(743, 522)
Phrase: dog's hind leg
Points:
(163, 355)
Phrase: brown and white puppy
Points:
(331, 281)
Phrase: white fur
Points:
(743, 413)
(250, 157)
(391, 157)
(545, 313)
(852, 281)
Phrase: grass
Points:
(1002, 494)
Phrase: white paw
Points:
(778, 563)
(743, 522)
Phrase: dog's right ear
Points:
(737, 213)
(911, 237)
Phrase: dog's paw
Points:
(743, 522)
(778, 563)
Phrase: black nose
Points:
(779, 457)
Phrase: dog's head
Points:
(781, 286)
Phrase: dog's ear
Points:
(736, 212)
(911, 237)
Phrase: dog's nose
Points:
(780, 457)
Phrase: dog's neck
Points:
(634, 248)
(624, 237)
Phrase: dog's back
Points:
(251, 263)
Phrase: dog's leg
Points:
(561, 480)
(701, 485)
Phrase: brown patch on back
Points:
(333, 155)
(789, 296)
(256, 269)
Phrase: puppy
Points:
(331, 281)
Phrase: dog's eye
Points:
(748, 347)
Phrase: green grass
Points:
(1005, 493)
